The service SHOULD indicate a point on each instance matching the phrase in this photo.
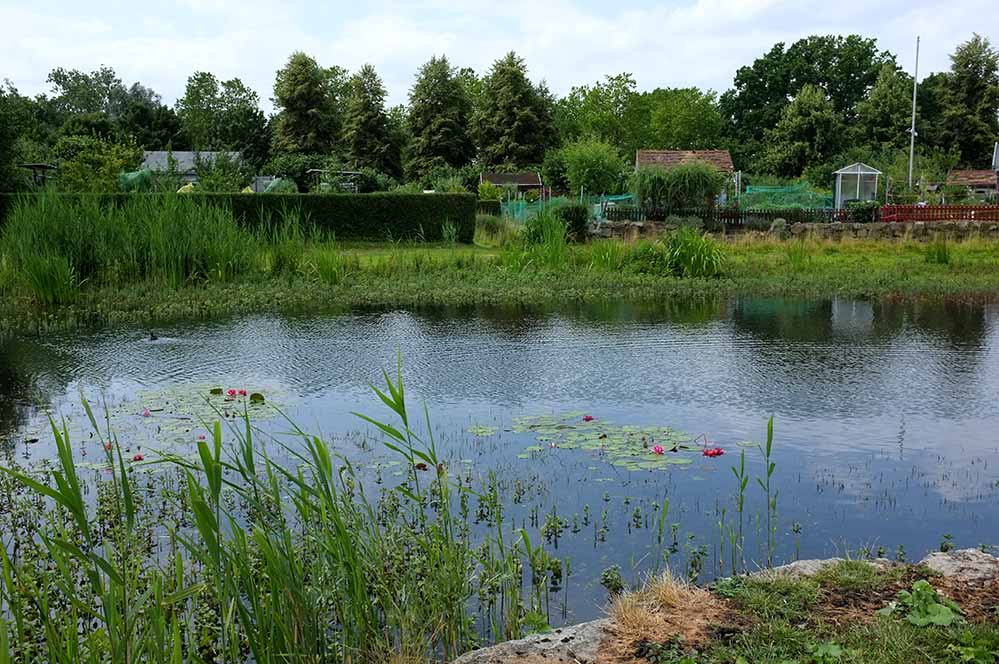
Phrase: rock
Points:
(803, 568)
(964, 565)
(578, 643)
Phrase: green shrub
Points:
(576, 217)
(489, 192)
(862, 211)
(593, 166)
(684, 253)
(692, 185)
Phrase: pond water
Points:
(885, 417)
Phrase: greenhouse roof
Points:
(858, 168)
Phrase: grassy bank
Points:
(188, 261)
(851, 611)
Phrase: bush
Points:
(692, 185)
(347, 216)
(576, 217)
(593, 167)
(862, 211)
(685, 253)
(489, 192)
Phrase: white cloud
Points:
(565, 42)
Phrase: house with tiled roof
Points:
(720, 159)
(523, 181)
(979, 182)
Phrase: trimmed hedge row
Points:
(376, 216)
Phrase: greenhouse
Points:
(856, 182)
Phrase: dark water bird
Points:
(152, 336)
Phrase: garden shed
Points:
(521, 182)
(856, 182)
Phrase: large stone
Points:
(577, 644)
(805, 568)
(964, 565)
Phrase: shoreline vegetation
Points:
(48, 283)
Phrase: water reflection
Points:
(886, 418)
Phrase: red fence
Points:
(977, 213)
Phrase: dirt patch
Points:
(844, 606)
(978, 599)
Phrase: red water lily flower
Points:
(587, 418)
(658, 449)
(242, 393)
(145, 413)
(138, 457)
(231, 392)
(713, 452)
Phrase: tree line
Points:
(799, 110)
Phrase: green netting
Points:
(521, 209)
(136, 180)
(771, 197)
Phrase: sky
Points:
(565, 42)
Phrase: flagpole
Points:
(912, 129)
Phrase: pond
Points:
(886, 431)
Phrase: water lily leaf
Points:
(482, 430)
(256, 398)
(215, 391)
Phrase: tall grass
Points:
(172, 240)
(937, 250)
(268, 562)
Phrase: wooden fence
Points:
(717, 218)
(931, 213)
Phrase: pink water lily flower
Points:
(713, 452)
(587, 418)
(658, 449)
(201, 436)
(231, 392)
(145, 413)
(138, 457)
(242, 393)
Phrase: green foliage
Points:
(576, 217)
(593, 167)
(366, 126)
(554, 171)
(971, 100)
(512, 121)
(223, 172)
(884, 115)
(376, 216)
(612, 580)
(809, 131)
(684, 119)
(923, 606)
(10, 129)
(51, 278)
(844, 67)
(489, 192)
(692, 185)
(672, 651)
(223, 115)
(310, 100)
(690, 253)
(439, 115)
(976, 648)
(91, 164)
(862, 211)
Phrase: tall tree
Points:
(10, 129)
(884, 116)
(809, 131)
(513, 123)
(224, 115)
(310, 100)
(844, 67)
(684, 119)
(439, 112)
(605, 111)
(100, 91)
(971, 107)
(153, 126)
(367, 133)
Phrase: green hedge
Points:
(376, 216)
